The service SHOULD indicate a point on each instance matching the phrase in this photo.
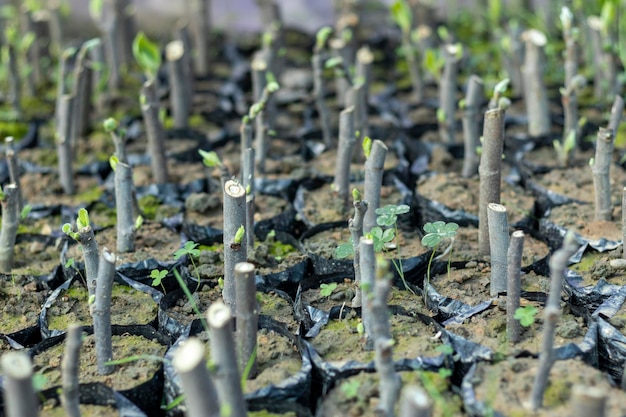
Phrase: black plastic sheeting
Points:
(327, 373)
(292, 392)
(587, 350)
(147, 395)
(89, 394)
(52, 298)
(554, 234)
(611, 350)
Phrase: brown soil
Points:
(152, 240)
(506, 387)
(596, 265)
(458, 193)
(50, 410)
(580, 218)
(21, 297)
(126, 376)
(35, 257)
(488, 328)
(128, 306)
(322, 205)
(359, 395)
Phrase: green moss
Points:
(557, 393)
(102, 215)
(265, 413)
(90, 195)
(148, 205)
(10, 128)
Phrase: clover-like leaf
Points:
(157, 276)
(344, 250)
(327, 289)
(388, 235)
(189, 248)
(526, 315)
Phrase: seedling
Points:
(436, 233)
(157, 276)
(350, 388)
(191, 249)
(526, 315)
(326, 290)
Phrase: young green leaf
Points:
(147, 55)
(113, 161)
(322, 37)
(25, 211)
(344, 250)
(526, 315)
(239, 235)
(189, 248)
(110, 125)
(402, 15)
(210, 158)
(157, 276)
(327, 289)
(82, 220)
(367, 146)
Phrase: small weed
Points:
(526, 315)
(327, 289)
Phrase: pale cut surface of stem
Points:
(516, 247)
(345, 148)
(414, 402)
(101, 312)
(471, 134)
(368, 279)
(499, 246)
(70, 397)
(374, 166)
(19, 395)
(10, 224)
(588, 401)
(200, 393)
(356, 231)
(234, 252)
(601, 170)
(489, 171)
(247, 317)
(227, 377)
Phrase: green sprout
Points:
(327, 289)
(526, 315)
(210, 158)
(437, 232)
(402, 15)
(239, 235)
(190, 249)
(82, 221)
(147, 54)
(321, 38)
(367, 146)
(157, 277)
(113, 161)
(110, 125)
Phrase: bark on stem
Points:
(617, 111)
(600, 169)
(89, 246)
(14, 169)
(471, 135)
(82, 93)
(498, 246)
(516, 247)
(341, 183)
(200, 393)
(247, 317)
(447, 92)
(356, 231)
(535, 93)
(558, 263)
(124, 207)
(248, 184)
(101, 312)
(200, 21)
(19, 395)
(10, 223)
(489, 172)
(389, 385)
(64, 144)
(70, 397)
(179, 96)
(154, 132)
(317, 63)
(227, 378)
(624, 223)
(368, 279)
(374, 166)
(234, 252)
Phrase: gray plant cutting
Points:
(375, 152)
(600, 168)
(320, 54)
(552, 311)
(19, 394)
(200, 11)
(452, 54)
(514, 255)
(10, 222)
(535, 93)
(84, 234)
(471, 135)
(235, 248)
(347, 140)
(180, 96)
(70, 396)
(247, 315)
(227, 376)
(489, 172)
(498, 247)
(101, 312)
(64, 141)
(196, 382)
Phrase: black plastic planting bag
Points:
(553, 234)
(294, 389)
(147, 395)
(46, 332)
(611, 350)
